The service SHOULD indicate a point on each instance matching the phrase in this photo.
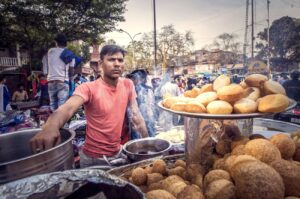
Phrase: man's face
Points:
(21, 88)
(113, 65)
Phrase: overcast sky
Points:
(205, 18)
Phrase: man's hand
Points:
(50, 135)
(44, 140)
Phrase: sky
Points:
(205, 18)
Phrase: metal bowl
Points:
(145, 148)
(17, 160)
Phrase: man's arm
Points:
(26, 96)
(50, 135)
(14, 97)
(71, 68)
(137, 119)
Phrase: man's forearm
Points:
(141, 128)
(71, 72)
(59, 117)
(139, 123)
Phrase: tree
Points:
(34, 24)
(173, 43)
(170, 43)
(81, 49)
(143, 53)
(227, 42)
(284, 41)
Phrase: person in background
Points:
(4, 95)
(105, 102)
(59, 73)
(292, 87)
(92, 78)
(20, 94)
(44, 98)
(77, 82)
(168, 120)
(283, 79)
(145, 100)
(81, 78)
(191, 83)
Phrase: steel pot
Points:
(146, 148)
(17, 160)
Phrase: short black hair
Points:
(110, 50)
(140, 72)
(61, 40)
(19, 85)
(295, 75)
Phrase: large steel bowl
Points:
(146, 148)
(17, 160)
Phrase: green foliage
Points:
(34, 23)
(81, 49)
(170, 43)
(284, 41)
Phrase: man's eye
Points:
(121, 60)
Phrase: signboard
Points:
(257, 66)
(86, 70)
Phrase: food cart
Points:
(214, 164)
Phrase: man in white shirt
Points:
(58, 73)
(168, 120)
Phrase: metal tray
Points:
(125, 171)
(292, 104)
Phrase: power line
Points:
(217, 15)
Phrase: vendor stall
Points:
(230, 151)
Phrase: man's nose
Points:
(117, 63)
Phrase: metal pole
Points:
(18, 55)
(246, 37)
(155, 44)
(133, 45)
(252, 32)
(268, 49)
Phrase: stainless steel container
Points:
(145, 148)
(17, 161)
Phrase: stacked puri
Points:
(240, 168)
(255, 94)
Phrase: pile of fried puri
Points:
(256, 93)
(243, 168)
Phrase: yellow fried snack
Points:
(159, 194)
(139, 176)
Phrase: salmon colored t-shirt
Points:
(105, 108)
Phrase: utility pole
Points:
(252, 29)
(133, 45)
(246, 36)
(155, 44)
(268, 49)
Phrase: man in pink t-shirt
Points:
(105, 101)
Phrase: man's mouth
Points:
(116, 72)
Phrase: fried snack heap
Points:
(241, 168)
(256, 94)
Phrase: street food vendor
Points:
(105, 101)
